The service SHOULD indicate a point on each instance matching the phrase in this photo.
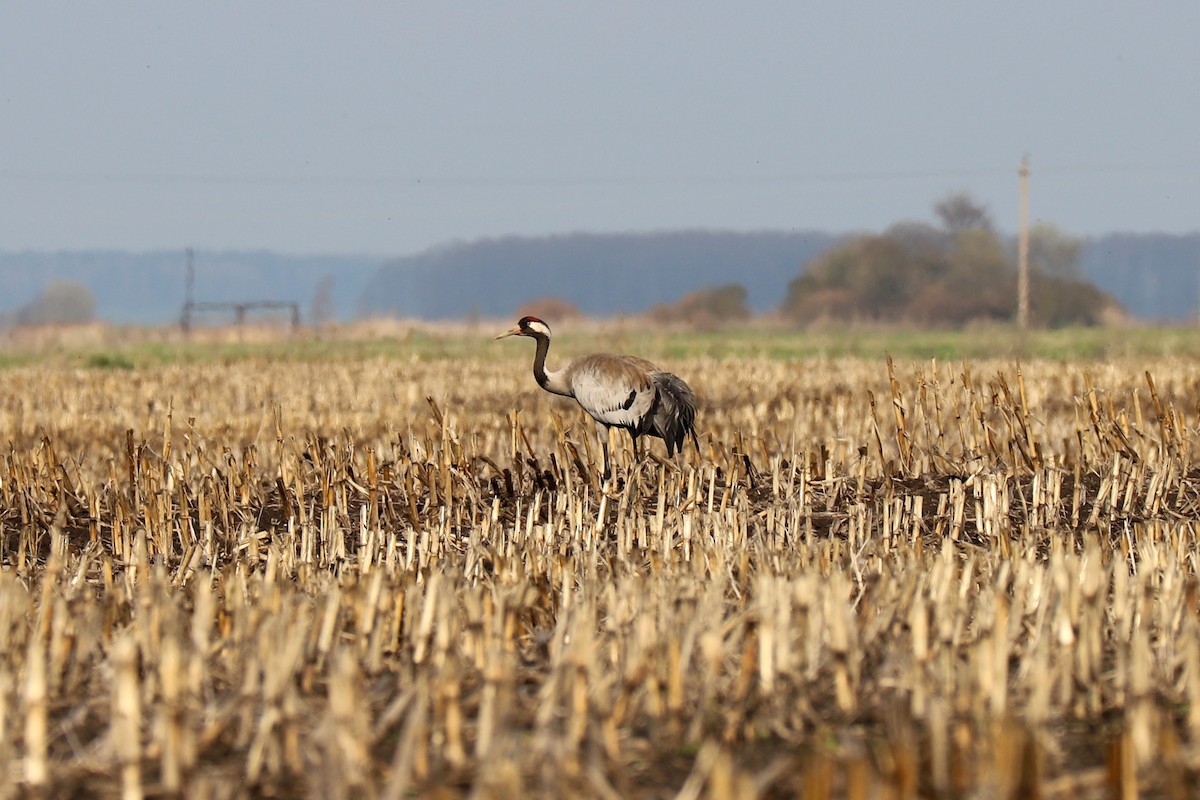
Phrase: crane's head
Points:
(528, 326)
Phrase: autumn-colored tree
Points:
(61, 302)
(707, 308)
(959, 273)
(550, 309)
(872, 278)
(1056, 302)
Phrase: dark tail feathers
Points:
(673, 415)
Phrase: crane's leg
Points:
(602, 432)
(636, 457)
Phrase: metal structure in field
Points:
(238, 308)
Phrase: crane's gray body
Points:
(631, 393)
(618, 391)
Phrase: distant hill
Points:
(1155, 276)
(147, 288)
(602, 274)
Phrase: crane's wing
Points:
(615, 390)
(674, 414)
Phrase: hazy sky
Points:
(384, 128)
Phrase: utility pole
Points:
(1023, 249)
(189, 284)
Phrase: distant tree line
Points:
(948, 273)
(600, 274)
(676, 275)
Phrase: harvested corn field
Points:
(394, 578)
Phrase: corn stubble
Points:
(381, 579)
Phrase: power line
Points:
(503, 182)
(485, 181)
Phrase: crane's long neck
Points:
(554, 382)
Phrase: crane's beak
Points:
(513, 332)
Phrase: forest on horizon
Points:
(1155, 277)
